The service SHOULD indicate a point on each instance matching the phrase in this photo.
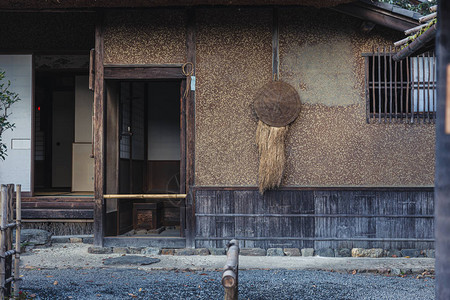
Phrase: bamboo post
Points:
(18, 230)
(9, 239)
(3, 208)
(428, 17)
(230, 271)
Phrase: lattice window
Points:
(403, 91)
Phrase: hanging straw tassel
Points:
(271, 144)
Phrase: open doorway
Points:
(144, 156)
(63, 165)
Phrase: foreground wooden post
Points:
(230, 271)
(3, 210)
(18, 229)
(442, 181)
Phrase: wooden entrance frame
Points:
(116, 73)
(104, 72)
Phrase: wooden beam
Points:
(275, 46)
(447, 101)
(442, 175)
(57, 199)
(99, 148)
(190, 130)
(190, 103)
(59, 205)
(142, 72)
(58, 214)
(183, 156)
(92, 69)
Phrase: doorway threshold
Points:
(145, 241)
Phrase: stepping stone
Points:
(131, 260)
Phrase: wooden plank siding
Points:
(315, 219)
(49, 208)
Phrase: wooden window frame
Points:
(393, 93)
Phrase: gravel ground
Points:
(125, 283)
(76, 256)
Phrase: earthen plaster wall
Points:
(330, 144)
(146, 36)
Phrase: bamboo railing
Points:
(7, 224)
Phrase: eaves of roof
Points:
(420, 44)
(384, 14)
(93, 4)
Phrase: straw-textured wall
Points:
(155, 36)
(320, 52)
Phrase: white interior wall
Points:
(84, 99)
(17, 166)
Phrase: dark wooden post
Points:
(99, 147)
(230, 277)
(190, 132)
(442, 184)
(275, 46)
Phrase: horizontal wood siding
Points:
(316, 219)
(58, 208)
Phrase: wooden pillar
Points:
(190, 132)
(99, 172)
(275, 45)
(442, 183)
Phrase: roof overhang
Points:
(423, 43)
(93, 4)
(383, 14)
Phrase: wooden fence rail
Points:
(7, 224)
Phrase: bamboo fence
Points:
(7, 252)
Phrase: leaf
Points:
(55, 283)
(140, 289)
(130, 294)
(49, 276)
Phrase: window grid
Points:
(400, 92)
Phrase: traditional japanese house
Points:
(172, 159)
